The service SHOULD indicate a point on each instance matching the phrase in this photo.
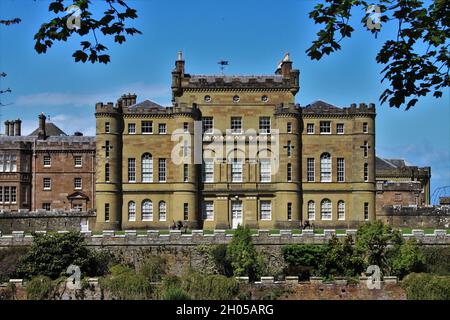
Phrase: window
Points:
(106, 212)
(236, 99)
(310, 128)
(236, 125)
(310, 175)
(185, 127)
(107, 172)
(340, 128)
(264, 125)
(47, 161)
(325, 127)
(365, 127)
(162, 128)
(47, 182)
(131, 128)
(340, 169)
(208, 173)
(13, 164)
(289, 172)
(185, 211)
(107, 127)
(147, 167)
(325, 209)
(131, 211)
(147, 127)
(265, 98)
(398, 197)
(131, 170)
(185, 173)
(2, 163)
(147, 210)
(207, 98)
(266, 210)
(289, 127)
(208, 124)
(289, 211)
(289, 148)
(1, 194)
(325, 167)
(236, 170)
(366, 211)
(162, 170)
(208, 213)
(265, 170)
(366, 149)
(46, 206)
(6, 195)
(107, 147)
(13, 194)
(341, 210)
(77, 207)
(366, 172)
(311, 210)
(78, 161)
(77, 184)
(162, 211)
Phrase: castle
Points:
(230, 150)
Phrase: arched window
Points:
(147, 167)
(162, 211)
(147, 210)
(325, 209)
(341, 210)
(311, 210)
(325, 167)
(131, 211)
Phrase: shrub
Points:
(422, 286)
(242, 254)
(221, 261)
(51, 254)
(437, 259)
(153, 268)
(406, 258)
(9, 260)
(40, 288)
(211, 287)
(303, 259)
(125, 284)
(175, 294)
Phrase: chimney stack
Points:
(11, 128)
(7, 128)
(179, 64)
(41, 132)
(18, 127)
(128, 99)
(286, 66)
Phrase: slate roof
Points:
(51, 130)
(325, 108)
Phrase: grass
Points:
(341, 231)
(406, 230)
(318, 231)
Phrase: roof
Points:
(146, 104)
(51, 130)
(324, 108)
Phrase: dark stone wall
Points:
(411, 217)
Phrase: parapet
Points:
(320, 107)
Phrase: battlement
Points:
(323, 108)
(199, 237)
(109, 107)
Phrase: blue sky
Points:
(252, 34)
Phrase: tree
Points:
(424, 286)
(242, 254)
(303, 259)
(124, 283)
(406, 258)
(410, 71)
(341, 259)
(51, 254)
(113, 23)
(372, 239)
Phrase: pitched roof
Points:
(145, 104)
(51, 130)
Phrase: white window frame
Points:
(265, 170)
(78, 183)
(326, 210)
(366, 172)
(78, 161)
(264, 125)
(341, 210)
(185, 211)
(340, 128)
(47, 181)
(289, 211)
(289, 127)
(365, 127)
(325, 127)
(162, 128)
(265, 210)
(132, 128)
(45, 205)
(289, 172)
(131, 170)
(13, 196)
(326, 171)
(107, 127)
(208, 211)
(236, 125)
(208, 170)
(237, 170)
(208, 125)
(366, 211)
(185, 172)
(162, 170)
(131, 211)
(47, 161)
(6, 195)
(340, 169)
(148, 125)
(147, 168)
(107, 212)
(311, 210)
(162, 212)
(147, 210)
(310, 128)
(310, 170)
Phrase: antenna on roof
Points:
(222, 63)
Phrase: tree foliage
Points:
(209, 287)
(124, 283)
(51, 254)
(40, 288)
(303, 259)
(406, 258)
(112, 24)
(423, 286)
(242, 254)
(410, 71)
